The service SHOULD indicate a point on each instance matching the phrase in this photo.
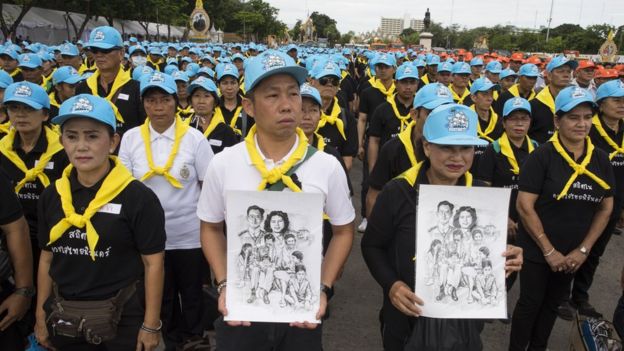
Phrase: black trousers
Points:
(584, 277)
(365, 173)
(127, 331)
(267, 337)
(11, 339)
(541, 292)
(618, 317)
(182, 296)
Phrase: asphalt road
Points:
(354, 325)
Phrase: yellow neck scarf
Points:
(180, 129)
(185, 112)
(515, 91)
(320, 143)
(412, 174)
(122, 78)
(546, 98)
(506, 150)
(279, 172)
(333, 118)
(405, 120)
(48, 78)
(218, 113)
(425, 79)
(376, 83)
(214, 122)
(5, 127)
(15, 72)
(343, 75)
(37, 172)
(114, 183)
(156, 64)
(579, 169)
(53, 102)
(603, 133)
(491, 125)
(456, 97)
(406, 139)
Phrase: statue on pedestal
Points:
(427, 20)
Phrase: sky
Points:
(365, 15)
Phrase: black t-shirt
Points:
(370, 99)
(391, 162)
(10, 209)
(131, 226)
(389, 246)
(332, 136)
(332, 151)
(229, 114)
(30, 192)
(617, 162)
(221, 137)
(495, 134)
(494, 168)
(53, 109)
(128, 103)
(565, 221)
(384, 124)
(542, 121)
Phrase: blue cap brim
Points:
(505, 115)
(33, 104)
(72, 80)
(167, 90)
(60, 120)
(462, 140)
(572, 104)
(407, 76)
(28, 65)
(309, 96)
(104, 46)
(431, 105)
(300, 74)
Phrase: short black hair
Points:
(255, 207)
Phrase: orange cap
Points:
(504, 59)
(494, 54)
(583, 64)
(517, 56)
(534, 60)
(461, 52)
(607, 73)
(619, 68)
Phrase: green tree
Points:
(325, 27)
(295, 32)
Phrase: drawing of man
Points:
(443, 229)
(254, 234)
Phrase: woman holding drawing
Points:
(388, 246)
(564, 201)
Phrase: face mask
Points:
(139, 61)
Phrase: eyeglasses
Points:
(96, 51)
(331, 80)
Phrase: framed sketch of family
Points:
(461, 235)
(274, 256)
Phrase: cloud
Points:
(365, 15)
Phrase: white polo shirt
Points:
(189, 168)
(232, 170)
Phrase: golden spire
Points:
(199, 4)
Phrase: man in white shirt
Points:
(273, 98)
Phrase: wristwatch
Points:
(329, 292)
(583, 250)
(26, 291)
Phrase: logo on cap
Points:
(26, 59)
(99, 36)
(407, 70)
(227, 68)
(534, 70)
(306, 89)
(458, 121)
(517, 102)
(146, 69)
(443, 92)
(23, 91)
(578, 93)
(200, 80)
(82, 105)
(621, 84)
(157, 78)
(273, 61)
(72, 70)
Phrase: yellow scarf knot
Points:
(122, 78)
(617, 149)
(491, 125)
(333, 118)
(404, 119)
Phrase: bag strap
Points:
(244, 124)
(125, 294)
(279, 186)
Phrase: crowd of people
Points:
(116, 159)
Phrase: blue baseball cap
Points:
(311, 92)
(433, 60)
(481, 84)
(559, 61)
(572, 96)
(238, 56)
(477, 61)
(384, 59)
(405, 71)
(461, 68)
(30, 61)
(292, 47)
(169, 69)
(158, 80)
(139, 71)
(452, 124)
(529, 70)
(66, 74)
(5, 79)
(326, 68)
(105, 38)
(514, 104)
(192, 69)
(432, 95)
(613, 88)
(10, 53)
(494, 67)
(203, 83)
(86, 106)
(270, 63)
(180, 76)
(226, 69)
(206, 71)
(445, 67)
(508, 72)
(69, 49)
(27, 93)
(155, 51)
(419, 63)
(135, 48)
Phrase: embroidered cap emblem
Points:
(23, 91)
(458, 121)
(273, 61)
(99, 36)
(82, 105)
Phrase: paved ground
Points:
(354, 310)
